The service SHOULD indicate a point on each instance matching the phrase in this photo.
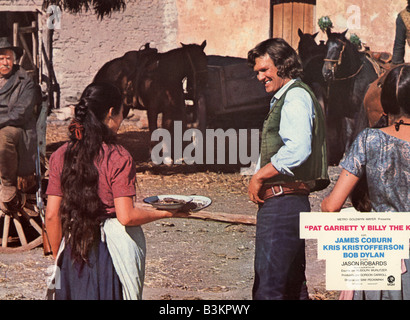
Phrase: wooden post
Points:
(16, 38)
(15, 34)
(6, 228)
(34, 36)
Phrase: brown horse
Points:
(124, 71)
(153, 81)
(372, 102)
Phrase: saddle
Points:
(382, 64)
(382, 58)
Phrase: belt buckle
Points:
(275, 194)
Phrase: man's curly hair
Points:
(282, 54)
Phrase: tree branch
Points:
(102, 8)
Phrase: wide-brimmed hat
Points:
(5, 44)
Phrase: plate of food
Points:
(197, 203)
(168, 201)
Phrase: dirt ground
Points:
(186, 258)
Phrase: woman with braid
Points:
(92, 222)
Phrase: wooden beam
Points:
(224, 217)
(309, 22)
(218, 216)
(297, 22)
(287, 22)
(277, 21)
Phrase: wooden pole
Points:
(219, 216)
(224, 217)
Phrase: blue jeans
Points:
(279, 251)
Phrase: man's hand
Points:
(254, 187)
(256, 183)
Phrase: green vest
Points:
(314, 170)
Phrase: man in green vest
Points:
(402, 35)
(292, 164)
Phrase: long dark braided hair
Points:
(81, 209)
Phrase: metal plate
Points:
(175, 201)
(198, 203)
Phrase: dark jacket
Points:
(402, 33)
(18, 99)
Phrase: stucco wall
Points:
(374, 21)
(84, 43)
(230, 27)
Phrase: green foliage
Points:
(325, 23)
(354, 38)
(102, 8)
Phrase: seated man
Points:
(18, 138)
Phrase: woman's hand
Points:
(178, 214)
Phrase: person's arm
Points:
(399, 42)
(23, 107)
(296, 124)
(53, 223)
(130, 215)
(344, 186)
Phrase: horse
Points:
(312, 57)
(126, 70)
(153, 81)
(372, 101)
(348, 74)
(162, 90)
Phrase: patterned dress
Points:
(386, 161)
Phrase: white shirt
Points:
(295, 129)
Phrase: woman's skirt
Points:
(96, 280)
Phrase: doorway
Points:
(287, 16)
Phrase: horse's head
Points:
(197, 72)
(336, 45)
(307, 45)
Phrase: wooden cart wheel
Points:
(21, 230)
